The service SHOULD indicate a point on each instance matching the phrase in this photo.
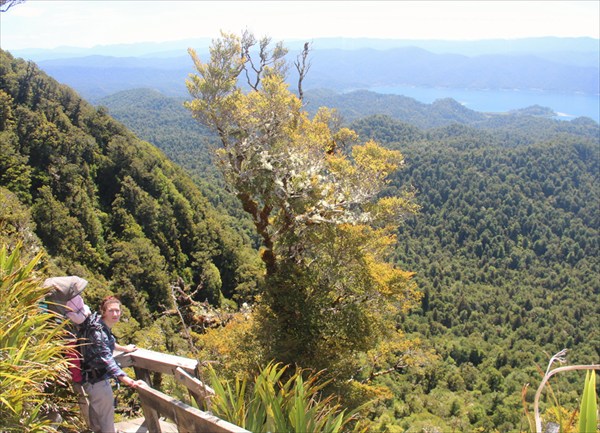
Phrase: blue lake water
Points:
(567, 106)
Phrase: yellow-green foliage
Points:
(232, 346)
(31, 347)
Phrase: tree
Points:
(315, 197)
(16, 225)
(5, 5)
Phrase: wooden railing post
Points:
(188, 419)
(142, 374)
(198, 390)
(151, 416)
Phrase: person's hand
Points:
(128, 381)
(130, 348)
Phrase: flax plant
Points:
(588, 408)
(274, 404)
(31, 347)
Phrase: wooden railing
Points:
(156, 404)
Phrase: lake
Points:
(566, 106)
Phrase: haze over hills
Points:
(163, 113)
(582, 51)
(563, 65)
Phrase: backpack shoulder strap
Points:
(85, 332)
(91, 365)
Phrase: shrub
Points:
(31, 347)
(272, 403)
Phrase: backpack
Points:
(92, 368)
(84, 357)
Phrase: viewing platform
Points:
(165, 414)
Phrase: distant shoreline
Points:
(565, 106)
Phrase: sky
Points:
(52, 23)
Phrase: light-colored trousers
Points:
(101, 405)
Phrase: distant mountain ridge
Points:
(564, 65)
(366, 68)
(578, 49)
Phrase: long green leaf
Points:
(271, 405)
(588, 409)
(7, 404)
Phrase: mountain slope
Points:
(164, 122)
(107, 205)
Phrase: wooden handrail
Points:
(155, 403)
(156, 361)
(188, 419)
(201, 392)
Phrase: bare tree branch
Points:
(7, 4)
(302, 66)
(264, 59)
(180, 288)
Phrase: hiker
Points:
(64, 298)
(78, 314)
(99, 367)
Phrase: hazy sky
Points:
(50, 24)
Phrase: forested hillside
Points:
(164, 122)
(138, 108)
(505, 248)
(108, 206)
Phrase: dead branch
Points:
(302, 66)
(188, 336)
(560, 356)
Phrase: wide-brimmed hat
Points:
(63, 290)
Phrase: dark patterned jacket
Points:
(97, 348)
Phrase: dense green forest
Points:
(505, 245)
(506, 250)
(165, 123)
